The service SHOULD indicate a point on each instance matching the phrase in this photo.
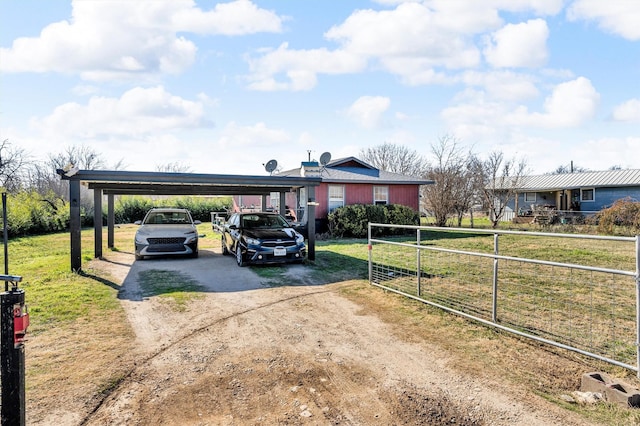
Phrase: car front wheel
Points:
(239, 256)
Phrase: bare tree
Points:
(175, 167)
(568, 168)
(83, 157)
(453, 187)
(501, 180)
(394, 158)
(13, 166)
(467, 192)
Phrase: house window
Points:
(529, 197)
(587, 194)
(336, 196)
(380, 195)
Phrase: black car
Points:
(262, 238)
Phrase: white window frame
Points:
(384, 200)
(334, 201)
(593, 195)
(526, 198)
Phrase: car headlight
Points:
(252, 242)
(192, 236)
(299, 238)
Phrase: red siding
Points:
(362, 193)
(355, 193)
(406, 195)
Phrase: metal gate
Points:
(563, 296)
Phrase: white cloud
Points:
(503, 85)
(519, 45)
(106, 40)
(300, 67)
(478, 116)
(367, 111)
(258, 135)
(236, 18)
(628, 111)
(137, 112)
(610, 151)
(419, 41)
(619, 17)
(571, 104)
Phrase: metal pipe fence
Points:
(576, 292)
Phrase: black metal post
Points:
(12, 355)
(5, 239)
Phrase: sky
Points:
(223, 87)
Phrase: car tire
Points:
(225, 250)
(194, 255)
(138, 257)
(239, 257)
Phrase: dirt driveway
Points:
(244, 352)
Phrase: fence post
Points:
(369, 249)
(494, 302)
(12, 369)
(638, 305)
(418, 266)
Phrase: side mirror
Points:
(233, 227)
(197, 222)
(137, 222)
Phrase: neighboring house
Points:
(345, 181)
(585, 192)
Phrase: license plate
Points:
(279, 251)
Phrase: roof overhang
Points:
(163, 183)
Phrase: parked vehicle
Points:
(166, 231)
(262, 237)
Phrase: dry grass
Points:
(480, 351)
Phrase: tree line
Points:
(463, 182)
(38, 198)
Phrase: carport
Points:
(110, 183)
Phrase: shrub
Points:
(353, 220)
(622, 217)
(128, 209)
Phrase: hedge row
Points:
(353, 220)
(29, 213)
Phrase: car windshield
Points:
(167, 218)
(256, 221)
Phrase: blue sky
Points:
(223, 87)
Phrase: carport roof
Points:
(164, 183)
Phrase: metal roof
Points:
(609, 178)
(162, 183)
(335, 172)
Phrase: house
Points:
(582, 192)
(344, 181)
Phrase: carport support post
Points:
(111, 222)
(311, 222)
(283, 200)
(74, 225)
(97, 223)
(264, 203)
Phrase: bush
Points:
(622, 217)
(128, 209)
(353, 220)
(30, 213)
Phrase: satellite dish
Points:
(271, 166)
(325, 158)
